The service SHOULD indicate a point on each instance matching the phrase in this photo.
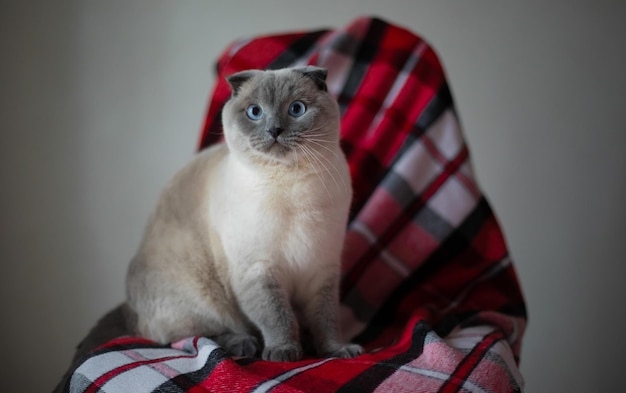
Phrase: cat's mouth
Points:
(275, 148)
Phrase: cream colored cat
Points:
(245, 243)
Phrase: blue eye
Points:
(254, 112)
(297, 109)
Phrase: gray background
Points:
(101, 102)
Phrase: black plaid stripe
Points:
(297, 50)
(369, 164)
(362, 310)
(357, 270)
(433, 223)
(456, 243)
(363, 57)
(469, 363)
(425, 218)
(368, 380)
(185, 382)
(398, 187)
(441, 102)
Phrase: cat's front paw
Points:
(240, 345)
(346, 351)
(282, 353)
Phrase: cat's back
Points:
(189, 188)
(181, 211)
(177, 224)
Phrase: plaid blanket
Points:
(428, 287)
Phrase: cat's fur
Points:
(245, 243)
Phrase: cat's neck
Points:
(272, 168)
(326, 173)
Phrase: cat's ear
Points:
(238, 79)
(316, 74)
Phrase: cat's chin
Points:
(276, 153)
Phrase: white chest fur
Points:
(292, 219)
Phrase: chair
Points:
(428, 287)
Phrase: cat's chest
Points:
(284, 196)
(288, 209)
(279, 217)
(278, 220)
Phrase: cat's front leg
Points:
(266, 304)
(320, 312)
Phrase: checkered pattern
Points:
(427, 283)
(469, 360)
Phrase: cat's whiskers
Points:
(345, 186)
(319, 136)
(320, 143)
(295, 152)
(316, 155)
(309, 157)
(310, 132)
(321, 126)
(319, 140)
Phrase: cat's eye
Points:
(297, 108)
(254, 112)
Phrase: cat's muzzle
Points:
(275, 132)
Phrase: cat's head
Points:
(281, 116)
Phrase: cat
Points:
(245, 243)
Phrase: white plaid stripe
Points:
(338, 59)
(161, 367)
(337, 79)
(446, 137)
(453, 202)
(467, 338)
(415, 374)
(422, 372)
(272, 383)
(466, 175)
(138, 380)
(145, 377)
(445, 133)
(417, 167)
(96, 366)
(460, 341)
(194, 361)
(390, 260)
(398, 85)
(501, 354)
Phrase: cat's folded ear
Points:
(316, 74)
(238, 79)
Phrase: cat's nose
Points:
(275, 131)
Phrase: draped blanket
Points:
(427, 287)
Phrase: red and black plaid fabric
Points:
(428, 286)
